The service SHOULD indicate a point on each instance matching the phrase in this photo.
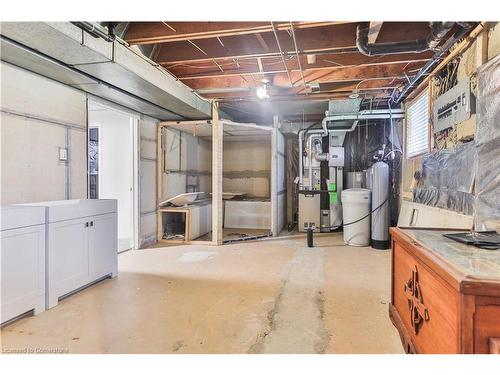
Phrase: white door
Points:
(117, 168)
(102, 245)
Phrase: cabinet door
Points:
(68, 258)
(23, 270)
(103, 249)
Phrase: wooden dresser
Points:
(445, 295)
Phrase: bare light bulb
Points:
(262, 92)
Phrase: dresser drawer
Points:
(422, 296)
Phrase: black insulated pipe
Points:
(437, 33)
(465, 27)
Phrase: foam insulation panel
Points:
(247, 214)
(38, 117)
(188, 161)
(247, 167)
(147, 180)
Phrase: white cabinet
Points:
(103, 246)
(22, 253)
(82, 244)
(67, 257)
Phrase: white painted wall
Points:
(38, 116)
(116, 164)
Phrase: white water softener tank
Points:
(378, 182)
(356, 206)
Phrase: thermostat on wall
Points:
(63, 154)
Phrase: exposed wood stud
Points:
(262, 42)
(373, 31)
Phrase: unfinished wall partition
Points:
(216, 182)
(246, 170)
(184, 175)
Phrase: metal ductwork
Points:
(97, 31)
(437, 33)
(107, 69)
(318, 152)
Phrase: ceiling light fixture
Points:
(262, 92)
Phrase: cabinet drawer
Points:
(414, 284)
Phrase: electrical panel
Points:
(453, 107)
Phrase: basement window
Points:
(417, 126)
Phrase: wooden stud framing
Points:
(274, 176)
(217, 160)
(159, 180)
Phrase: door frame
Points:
(134, 122)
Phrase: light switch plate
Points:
(63, 154)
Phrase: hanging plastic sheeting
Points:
(487, 202)
(447, 178)
(364, 143)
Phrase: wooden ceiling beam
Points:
(273, 66)
(167, 32)
(336, 74)
(332, 38)
(277, 93)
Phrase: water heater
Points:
(378, 182)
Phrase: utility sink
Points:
(182, 199)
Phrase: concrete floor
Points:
(272, 296)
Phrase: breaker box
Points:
(453, 107)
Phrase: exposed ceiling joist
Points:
(326, 39)
(270, 66)
(345, 88)
(323, 75)
(152, 32)
(373, 31)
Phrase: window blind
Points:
(417, 119)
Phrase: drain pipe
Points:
(438, 31)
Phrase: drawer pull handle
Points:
(418, 312)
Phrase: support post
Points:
(482, 46)
(159, 180)
(217, 159)
(274, 178)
